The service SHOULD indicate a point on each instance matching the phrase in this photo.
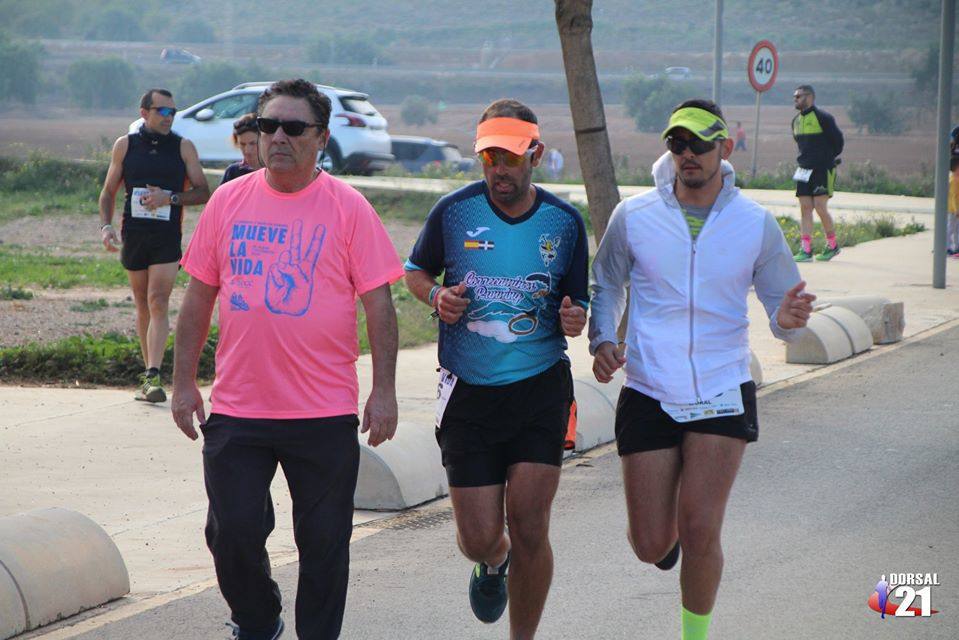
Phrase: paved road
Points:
(854, 476)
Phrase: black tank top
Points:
(155, 160)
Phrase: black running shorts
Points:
(820, 183)
(144, 248)
(643, 425)
(487, 429)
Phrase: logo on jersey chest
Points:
(547, 248)
(484, 245)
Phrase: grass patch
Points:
(86, 306)
(411, 206)
(862, 177)
(19, 268)
(110, 359)
(10, 293)
(848, 234)
(413, 320)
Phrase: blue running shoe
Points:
(488, 594)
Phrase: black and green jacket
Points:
(819, 139)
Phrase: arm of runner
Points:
(574, 287)
(835, 135)
(192, 327)
(775, 276)
(380, 412)
(608, 358)
(108, 195)
(796, 307)
(610, 274)
(449, 302)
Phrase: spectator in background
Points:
(246, 137)
(740, 136)
(554, 164)
(952, 231)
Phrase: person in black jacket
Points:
(820, 142)
(246, 138)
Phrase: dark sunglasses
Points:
(291, 128)
(489, 157)
(697, 146)
(166, 112)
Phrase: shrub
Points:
(345, 49)
(98, 83)
(417, 111)
(19, 70)
(44, 173)
(116, 23)
(209, 78)
(878, 115)
(649, 101)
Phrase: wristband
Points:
(432, 297)
(105, 226)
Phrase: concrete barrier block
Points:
(860, 337)
(401, 473)
(755, 368)
(886, 320)
(596, 407)
(56, 563)
(823, 341)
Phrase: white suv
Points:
(359, 142)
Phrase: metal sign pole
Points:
(946, 43)
(759, 96)
(718, 55)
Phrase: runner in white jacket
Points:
(689, 251)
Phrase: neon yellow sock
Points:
(695, 626)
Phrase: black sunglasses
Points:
(291, 128)
(697, 146)
(166, 112)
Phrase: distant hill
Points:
(633, 25)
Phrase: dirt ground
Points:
(55, 314)
(73, 134)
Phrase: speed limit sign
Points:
(762, 66)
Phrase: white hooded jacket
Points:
(687, 338)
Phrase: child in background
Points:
(952, 230)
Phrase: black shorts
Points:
(487, 429)
(820, 183)
(143, 248)
(643, 425)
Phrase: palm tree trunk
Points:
(575, 23)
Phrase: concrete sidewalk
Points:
(125, 465)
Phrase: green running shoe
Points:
(802, 256)
(151, 390)
(488, 594)
(828, 254)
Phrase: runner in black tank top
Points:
(161, 172)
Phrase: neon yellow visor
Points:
(705, 125)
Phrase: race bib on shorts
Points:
(727, 403)
(802, 175)
(443, 392)
(137, 210)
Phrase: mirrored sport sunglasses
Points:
(291, 128)
(697, 146)
(489, 157)
(166, 112)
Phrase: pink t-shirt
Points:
(289, 267)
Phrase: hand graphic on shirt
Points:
(289, 282)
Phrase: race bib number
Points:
(137, 210)
(443, 392)
(802, 175)
(727, 403)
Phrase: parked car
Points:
(678, 73)
(358, 143)
(178, 56)
(415, 154)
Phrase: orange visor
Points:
(511, 134)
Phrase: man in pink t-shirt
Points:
(286, 251)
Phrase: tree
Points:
(102, 83)
(649, 101)
(575, 23)
(19, 70)
(925, 75)
(209, 78)
(116, 23)
(345, 49)
(417, 111)
(878, 115)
